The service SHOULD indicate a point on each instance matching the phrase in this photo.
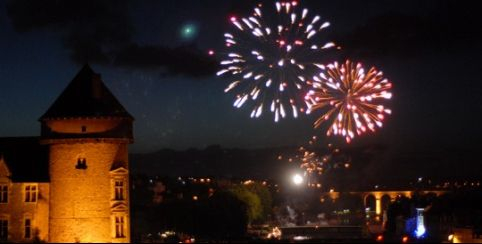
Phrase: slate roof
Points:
(26, 158)
(86, 96)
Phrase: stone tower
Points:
(88, 131)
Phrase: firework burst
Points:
(317, 161)
(269, 56)
(350, 97)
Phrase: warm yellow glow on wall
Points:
(82, 200)
(378, 206)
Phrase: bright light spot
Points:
(211, 52)
(420, 231)
(380, 238)
(297, 179)
(300, 238)
(188, 31)
(451, 237)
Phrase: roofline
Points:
(130, 117)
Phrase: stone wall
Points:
(16, 210)
(81, 199)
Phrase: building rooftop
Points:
(25, 158)
(86, 97)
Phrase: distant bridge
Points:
(379, 200)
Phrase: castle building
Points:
(71, 184)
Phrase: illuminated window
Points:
(3, 193)
(31, 192)
(27, 228)
(119, 190)
(119, 227)
(3, 229)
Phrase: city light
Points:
(451, 238)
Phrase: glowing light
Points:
(274, 234)
(420, 231)
(350, 97)
(297, 179)
(280, 50)
(211, 52)
(380, 238)
(188, 31)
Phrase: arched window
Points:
(385, 202)
(81, 163)
(370, 202)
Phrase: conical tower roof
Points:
(86, 97)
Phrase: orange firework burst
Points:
(315, 160)
(351, 97)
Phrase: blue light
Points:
(420, 231)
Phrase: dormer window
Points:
(81, 163)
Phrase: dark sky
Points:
(430, 50)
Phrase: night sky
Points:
(153, 57)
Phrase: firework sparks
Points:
(269, 55)
(316, 160)
(350, 97)
(320, 161)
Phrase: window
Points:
(84, 128)
(31, 193)
(3, 229)
(119, 227)
(27, 228)
(3, 193)
(81, 163)
(119, 190)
